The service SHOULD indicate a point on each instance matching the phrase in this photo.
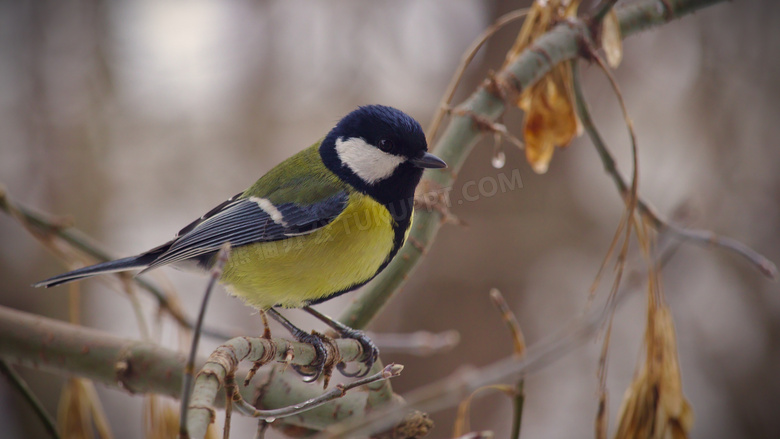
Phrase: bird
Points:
(322, 223)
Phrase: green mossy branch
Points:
(560, 44)
(46, 228)
(143, 367)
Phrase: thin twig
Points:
(511, 321)
(262, 426)
(462, 423)
(696, 236)
(488, 126)
(708, 237)
(54, 346)
(44, 227)
(19, 384)
(455, 144)
(189, 369)
(518, 403)
(465, 60)
(517, 336)
(390, 371)
(420, 343)
(607, 257)
(632, 198)
(631, 204)
(282, 392)
(448, 391)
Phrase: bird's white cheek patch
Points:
(369, 163)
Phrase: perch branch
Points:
(225, 359)
(143, 367)
(189, 368)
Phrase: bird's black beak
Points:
(428, 160)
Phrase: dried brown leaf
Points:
(654, 405)
(80, 414)
(161, 421)
(541, 17)
(550, 117)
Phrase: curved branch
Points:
(18, 382)
(225, 359)
(143, 367)
(560, 44)
(449, 391)
(45, 228)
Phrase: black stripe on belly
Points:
(401, 212)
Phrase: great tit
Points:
(322, 223)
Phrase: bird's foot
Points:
(323, 361)
(370, 351)
(322, 364)
(369, 357)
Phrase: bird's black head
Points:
(380, 151)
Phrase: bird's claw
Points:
(312, 372)
(370, 353)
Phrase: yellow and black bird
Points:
(322, 223)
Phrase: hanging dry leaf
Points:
(80, 414)
(654, 405)
(550, 117)
(540, 18)
(160, 419)
(611, 40)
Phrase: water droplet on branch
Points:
(499, 159)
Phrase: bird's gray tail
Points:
(124, 264)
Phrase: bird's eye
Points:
(385, 145)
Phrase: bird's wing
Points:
(246, 220)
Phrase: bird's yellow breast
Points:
(304, 268)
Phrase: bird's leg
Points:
(313, 338)
(370, 351)
(266, 328)
(266, 335)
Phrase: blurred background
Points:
(136, 117)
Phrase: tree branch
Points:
(45, 228)
(18, 382)
(697, 236)
(449, 391)
(143, 367)
(562, 43)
